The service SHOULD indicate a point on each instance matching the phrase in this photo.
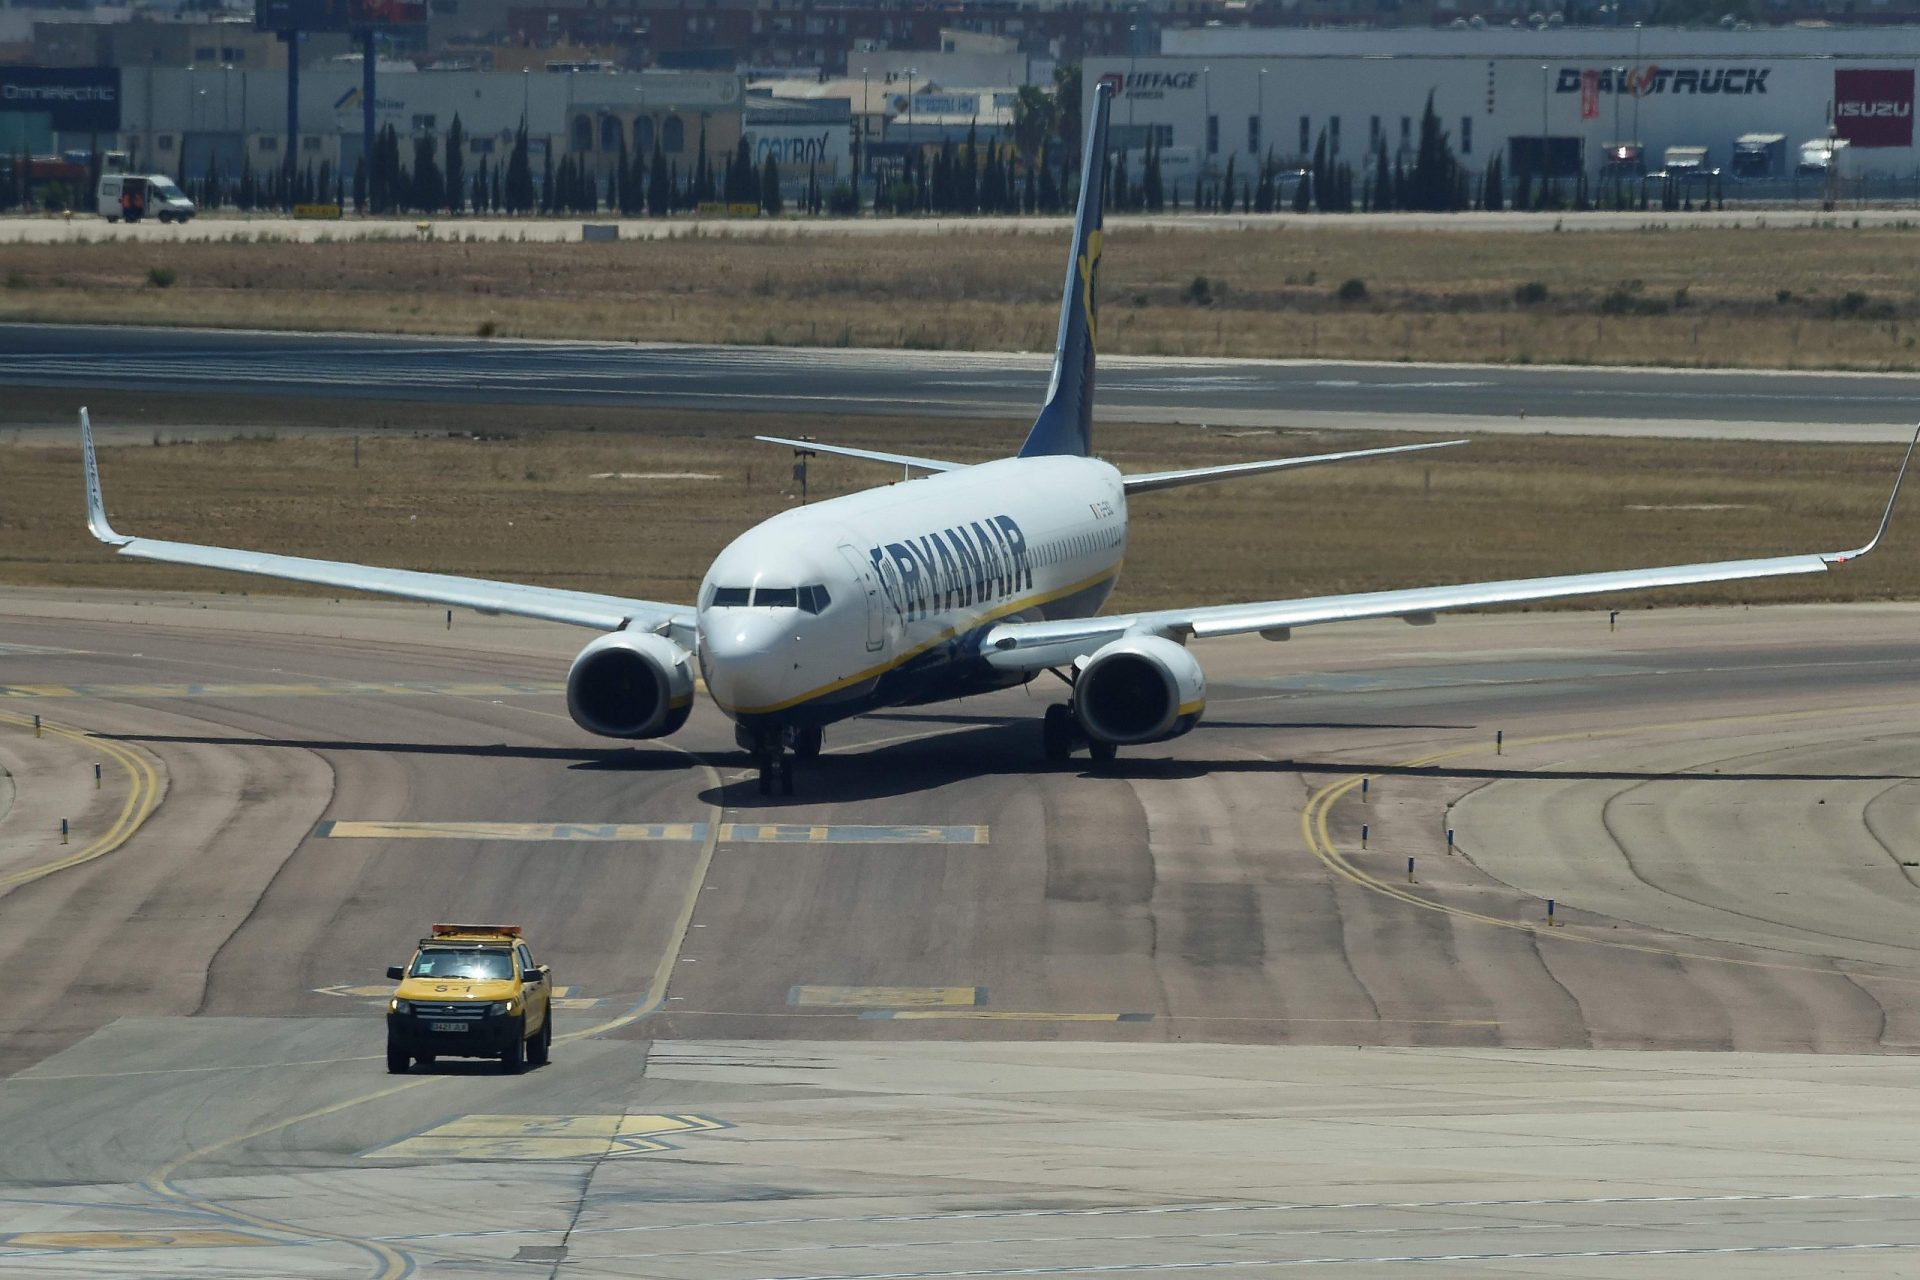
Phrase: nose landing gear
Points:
(774, 753)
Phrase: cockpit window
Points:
(814, 599)
(776, 598)
(724, 597)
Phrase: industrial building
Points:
(1218, 92)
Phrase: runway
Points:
(1877, 408)
(947, 1012)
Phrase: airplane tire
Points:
(1102, 752)
(1056, 734)
(807, 743)
(786, 775)
(766, 776)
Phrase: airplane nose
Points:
(746, 659)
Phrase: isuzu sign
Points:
(1642, 82)
(1874, 108)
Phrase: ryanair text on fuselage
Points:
(957, 568)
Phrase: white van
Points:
(134, 196)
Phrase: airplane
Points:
(967, 579)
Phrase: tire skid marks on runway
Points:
(1314, 827)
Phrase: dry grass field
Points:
(1752, 296)
(566, 497)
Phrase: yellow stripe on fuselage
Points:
(872, 673)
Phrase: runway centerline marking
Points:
(76, 1241)
(656, 832)
(544, 1137)
(828, 997)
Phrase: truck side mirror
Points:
(396, 972)
(531, 976)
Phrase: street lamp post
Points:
(1133, 53)
(1261, 114)
(1206, 126)
(1545, 167)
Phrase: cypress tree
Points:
(659, 190)
(1227, 189)
(1319, 172)
(456, 164)
(770, 185)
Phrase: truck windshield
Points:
(445, 963)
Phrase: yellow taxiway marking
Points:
(131, 1240)
(821, 997)
(544, 1137)
(143, 796)
(289, 689)
(645, 832)
(1315, 830)
(1000, 1015)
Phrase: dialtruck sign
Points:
(1874, 108)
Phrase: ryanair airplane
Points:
(969, 579)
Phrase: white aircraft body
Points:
(968, 579)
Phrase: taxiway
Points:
(948, 1012)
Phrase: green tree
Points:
(1035, 115)
(659, 188)
(1434, 180)
(518, 188)
(1068, 106)
(770, 185)
(456, 164)
(429, 187)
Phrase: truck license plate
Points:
(446, 1026)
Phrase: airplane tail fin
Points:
(1065, 424)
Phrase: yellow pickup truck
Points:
(471, 991)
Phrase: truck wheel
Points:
(397, 1062)
(540, 1051)
(513, 1058)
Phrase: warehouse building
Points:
(1218, 92)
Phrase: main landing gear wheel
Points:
(807, 743)
(1102, 752)
(1056, 733)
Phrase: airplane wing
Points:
(578, 608)
(871, 455)
(1151, 480)
(1032, 646)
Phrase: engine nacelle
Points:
(631, 684)
(1139, 689)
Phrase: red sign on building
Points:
(1589, 95)
(1874, 108)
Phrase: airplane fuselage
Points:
(881, 598)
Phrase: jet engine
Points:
(631, 685)
(1139, 689)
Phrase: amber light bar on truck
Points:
(442, 930)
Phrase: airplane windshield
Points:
(813, 598)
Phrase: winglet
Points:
(96, 504)
(1841, 557)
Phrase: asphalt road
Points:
(947, 1011)
(1868, 408)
